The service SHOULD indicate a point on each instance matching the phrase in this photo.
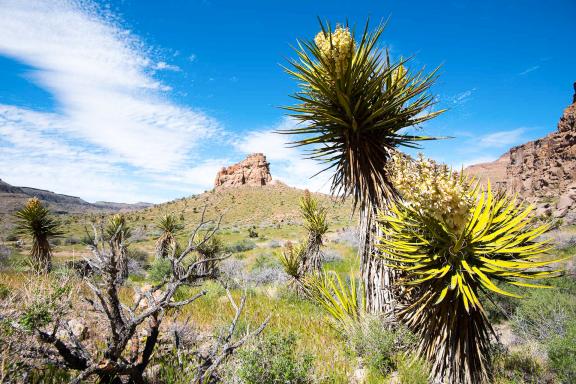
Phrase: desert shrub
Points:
(232, 269)
(252, 232)
(348, 236)
(4, 291)
(517, 367)
(274, 244)
(273, 359)
(265, 275)
(545, 313)
(72, 241)
(138, 255)
(5, 253)
(55, 242)
(412, 370)
(562, 354)
(331, 255)
(159, 269)
(379, 344)
(48, 374)
(241, 246)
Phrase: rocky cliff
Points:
(253, 170)
(541, 171)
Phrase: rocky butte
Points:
(541, 171)
(254, 170)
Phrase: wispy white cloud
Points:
(502, 139)
(164, 66)
(109, 105)
(528, 70)
(462, 97)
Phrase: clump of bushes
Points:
(274, 359)
(241, 246)
(562, 354)
(159, 269)
(381, 346)
(252, 232)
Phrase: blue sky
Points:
(139, 100)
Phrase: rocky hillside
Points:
(254, 170)
(541, 171)
(268, 205)
(12, 198)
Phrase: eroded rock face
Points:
(540, 171)
(253, 170)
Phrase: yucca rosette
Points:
(447, 272)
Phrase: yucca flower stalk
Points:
(118, 234)
(447, 263)
(34, 220)
(166, 243)
(354, 105)
(315, 222)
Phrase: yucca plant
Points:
(290, 258)
(209, 250)
(166, 243)
(354, 105)
(34, 220)
(339, 298)
(448, 262)
(118, 233)
(316, 225)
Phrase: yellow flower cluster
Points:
(338, 47)
(434, 190)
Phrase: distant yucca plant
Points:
(446, 267)
(340, 299)
(354, 105)
(118, 233)
(167, 241)
(291, 257)
(316, 224)
(34, 220)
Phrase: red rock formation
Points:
(253, 170)
(540, 170)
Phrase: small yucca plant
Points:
(209, 250)
(291, 257)
(166, 243)
(316, 224)
(118, 233)
(34, 221)
(341, 299)
(449, 261)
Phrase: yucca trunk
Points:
(377, 278)
(41, 255)
(312, 259)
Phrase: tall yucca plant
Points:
(166, 243)
(354, 103)
(315, 222)
(118, 233)
(34, 221)
(446, 271)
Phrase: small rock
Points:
(564, 203)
